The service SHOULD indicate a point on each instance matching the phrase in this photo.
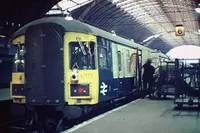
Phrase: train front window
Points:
(19, 58)
(82, 55)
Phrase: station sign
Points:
(180, 30)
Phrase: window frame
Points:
(93, 60)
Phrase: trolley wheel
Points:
(158, 94)
(190, 102)
(180, 105)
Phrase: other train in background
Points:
(65, 67)
(6, 63)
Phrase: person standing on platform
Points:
(148, 76)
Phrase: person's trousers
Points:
(149, 83)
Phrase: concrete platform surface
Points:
(143, 116)
(5, 94)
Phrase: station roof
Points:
(16, 13)
(148, 22)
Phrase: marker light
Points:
(81, 90)
(74, 76)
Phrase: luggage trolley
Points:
(187, 85)
(165, 84)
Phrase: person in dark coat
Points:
(148, 76)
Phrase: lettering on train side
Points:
(86, 75)
(115, 89)
(103, 88)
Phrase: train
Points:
(67, 66)
(6, 63)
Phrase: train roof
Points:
(77, 26)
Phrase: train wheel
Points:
(85, 110)
(52, 125)
(60, 126)
(180, 106)
(111, 104)
(49, 124)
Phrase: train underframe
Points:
(53, 119)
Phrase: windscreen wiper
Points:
(81, 46)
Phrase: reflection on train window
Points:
(128, 62)
(82, 55)
(19, 58)
(102, 58)
(109, 55)
(119, 61)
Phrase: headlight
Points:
(74, 76)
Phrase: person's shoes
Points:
(150, 96)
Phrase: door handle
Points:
(43, 66)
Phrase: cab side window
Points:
(105, 54)
(102, 58)
(102, 49)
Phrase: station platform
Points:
(5, 94)
(143, 116)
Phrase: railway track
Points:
(28, 126)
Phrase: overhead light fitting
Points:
(197, 9)
(152, 37)
(113, 32)
(67, 15)
(198, 33)
(2, 36)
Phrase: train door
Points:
(44, 64)
(121, 69)
(106, 82)
(115, 69)
(139, 68)
(134, 65)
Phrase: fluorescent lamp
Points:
(197, 10)
(2, 36)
